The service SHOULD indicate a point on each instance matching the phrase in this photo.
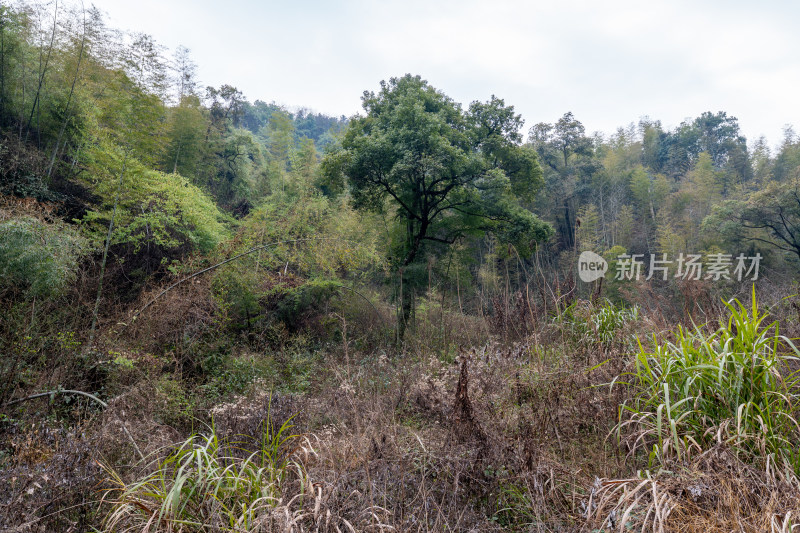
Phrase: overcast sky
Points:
(609, 62)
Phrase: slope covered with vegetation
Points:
(223, 315)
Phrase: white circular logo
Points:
(591, 267)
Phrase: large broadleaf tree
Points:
(443, 172)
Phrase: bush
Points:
(38, 258)
(154, 209)
(732, 386)
(304, 301)
(603, 324)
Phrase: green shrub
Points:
(304, 300)
(334, 239)
(176, 404)
(38, 258)
(597, 324)
(21, 171)
(154, 208)
(237, 292)
(732, 386)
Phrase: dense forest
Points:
(224, 315)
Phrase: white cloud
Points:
(608, 62)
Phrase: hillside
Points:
(224, 315)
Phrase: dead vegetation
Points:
(505, 436)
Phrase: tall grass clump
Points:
(736, 386)
(603, 323)
(210, 484)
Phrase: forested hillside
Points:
(224, 315)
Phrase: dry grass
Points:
(180, 317)
(14, 207)
(502, 437)
(716, 492)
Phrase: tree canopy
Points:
(443, 171)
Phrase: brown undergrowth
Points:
(501, 437)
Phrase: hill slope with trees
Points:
(225, 315)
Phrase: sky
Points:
(610, 63)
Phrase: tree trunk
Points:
(105, 254)
(177, 154)
(569, 233)
(43, 71)
(407, 294)
(407, 290)
(2, 67)
(69, 101)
